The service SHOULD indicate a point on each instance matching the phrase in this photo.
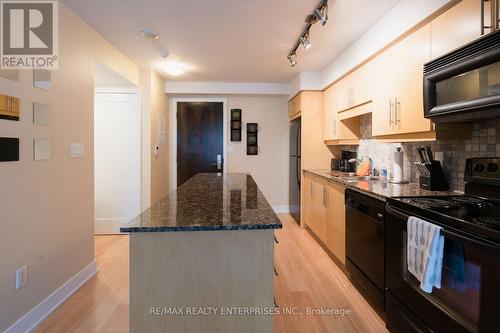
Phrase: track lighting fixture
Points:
(320, 14)
(304, 39)
(292, 57)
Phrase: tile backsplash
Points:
(482, 140)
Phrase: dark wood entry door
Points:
(199, 139)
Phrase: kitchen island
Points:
(202, 259)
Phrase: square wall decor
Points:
(9, 107)
(236, 124)
(42, 149)
(9, 149)
(42, 79)
(41, 113)
(252, 141)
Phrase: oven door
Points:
(469, 297)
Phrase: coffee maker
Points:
(345, 165)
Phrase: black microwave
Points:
(464, 85)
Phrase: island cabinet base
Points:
(205, 273)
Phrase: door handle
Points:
(219, 162)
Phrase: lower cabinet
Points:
(324, 213)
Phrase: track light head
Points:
(322, 14)
(305, 40)
(292, 57)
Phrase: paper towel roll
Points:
(398, 165)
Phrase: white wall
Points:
(117, 156)
(270, 167)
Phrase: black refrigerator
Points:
(295, 170)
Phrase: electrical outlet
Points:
(21, 277)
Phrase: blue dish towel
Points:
(425, 252)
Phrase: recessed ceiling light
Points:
(150, 34)
(173, 68)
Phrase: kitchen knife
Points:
(429, 153)
(420, 151)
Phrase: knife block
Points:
(433, 178)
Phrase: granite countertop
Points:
(377, 188)
(209, 201)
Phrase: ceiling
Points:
(230, 40)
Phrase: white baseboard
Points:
(35, 316)
(109, 225)
(281, 209)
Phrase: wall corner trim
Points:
(35, 316)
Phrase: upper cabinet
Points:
(398, 105)
(456, 27)
(355, 88)
(294, 107)
(330, 126)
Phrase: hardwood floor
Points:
(307, 278)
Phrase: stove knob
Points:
(492, 167)
(478, 167)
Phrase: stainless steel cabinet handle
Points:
(390, 112)
(327, 197)
(380, 214)
(397, 106)
(311, 189)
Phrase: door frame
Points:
(100, 226)
(173, 132)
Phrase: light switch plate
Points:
(41, 113)
(21, 277)
(77, 150)
(42, 149)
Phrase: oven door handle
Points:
(447, 231)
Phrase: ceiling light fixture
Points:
(150, 34)
(304, 39)
(320, 14)
(292, 57)
(173, 68)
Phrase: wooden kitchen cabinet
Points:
(294, 107)
(314, 205)
(457, 26)
(355, 89)
(307, 201)
(329, 114)
(324, 213)
(398, 105)
(335, 130)
(304, 101)
(335, 237)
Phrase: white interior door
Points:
(116, 160)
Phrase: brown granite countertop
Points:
(377, 188)
(209, 202)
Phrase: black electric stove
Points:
(477, 211)
(469, 297)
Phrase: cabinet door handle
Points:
(311, 189)
(327, 197)
(390, 112)
(397, 106)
